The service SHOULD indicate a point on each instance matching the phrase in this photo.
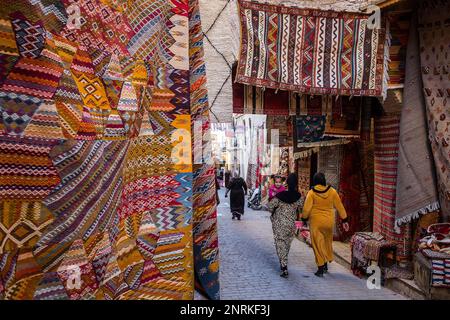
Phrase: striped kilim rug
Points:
(386, 160)
(310, 51)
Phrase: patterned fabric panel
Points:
(310, 51)
(98, 195)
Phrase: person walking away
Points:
(217, 191)
(238, 189)
(318, 209)
(276, 187)
(284, 209)
(227, 178)
(220, 176)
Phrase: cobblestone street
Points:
(249, 266)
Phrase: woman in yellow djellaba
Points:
(319, 207)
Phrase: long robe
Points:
(238, 189)
(318, 208)
(283, 220)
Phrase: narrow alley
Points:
(250, 270)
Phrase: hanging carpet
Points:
(434, 35)
(416, 185)
(310, 51)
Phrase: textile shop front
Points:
(362, 104)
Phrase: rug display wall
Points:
(98, 194)
(434, 37)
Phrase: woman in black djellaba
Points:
(238, 189)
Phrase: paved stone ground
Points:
(249, 266)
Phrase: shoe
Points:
(325, 268)
(284, 272)
(239, 218)
(233, 216)
(319, 272)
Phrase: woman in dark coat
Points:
(238, 189)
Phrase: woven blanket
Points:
(416, 185)
(276, 103)
(283, 124)
(310, 128)
(440, 273)
(304, 175)
(329, 163)
(238, 93)
(218, 56)
(434, 35)
(205, 231)
(367, 159)
(344, 117)
(366, 247)
(398, 31)
(310, 51)
(98, 196)
(435, 254)
(251, 175)
(284, 162)
(386, 161)
(349, 189)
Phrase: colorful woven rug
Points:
(329, 163)
(304, 175)
(283, 124)
(98, 195)
(309, 51)
(440, 273)
(386, 162)
(276, 103)
(416, 184)
(344, 118)
(434, 35)
(399, 26)
(205, 233)
(238, 93)
(310, 128)
(367, 171)
(350, 189)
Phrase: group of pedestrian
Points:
(287, 206)
(318, 209)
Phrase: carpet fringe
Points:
(415, 215)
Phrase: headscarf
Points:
(291, 195)
(319, 179)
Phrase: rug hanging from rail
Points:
(344, 117)
(416, 185)
(398, 29)
(310, 51)
(304, 175)
(204, 226)
(386, 160)
(434, 36)
(350, 190)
